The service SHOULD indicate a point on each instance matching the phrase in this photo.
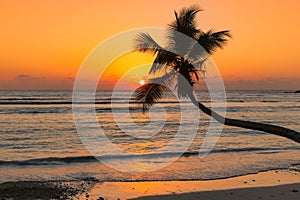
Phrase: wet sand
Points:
(282, 192)
(273, 185)
(241, 187)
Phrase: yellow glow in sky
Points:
(43, 43)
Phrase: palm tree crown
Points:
(178, 67)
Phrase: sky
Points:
(44, 43)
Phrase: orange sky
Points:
(43, 43)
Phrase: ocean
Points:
(39, 140)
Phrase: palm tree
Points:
(180, 69)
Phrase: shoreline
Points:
(275, 184)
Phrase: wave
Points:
(269, 101)
(89, 159)
(52, 99)
(295, 167)
(30, 98)
(38, 103)
(50, 161)
(70, 102)
(36, 110)
(236, 101)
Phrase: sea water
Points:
(39, 139)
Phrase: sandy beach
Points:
(266, 193)
(265, 184)
(284, 184)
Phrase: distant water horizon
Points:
(39, 140)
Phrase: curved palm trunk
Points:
(276, 130)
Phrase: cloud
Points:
(29, 82)
(24, 76)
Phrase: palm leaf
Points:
(195, 73)
(211, 40)
(164, 58)
(149, 94)
(145, 43)
(185, 21)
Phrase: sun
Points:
(142, 82)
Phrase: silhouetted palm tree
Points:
(171, 65)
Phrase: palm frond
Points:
(164, 58)
(200, 66)
(194, 73)
(145, 43)
(185, 21)
(167, 79)
(149, 94)
(211, 40)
